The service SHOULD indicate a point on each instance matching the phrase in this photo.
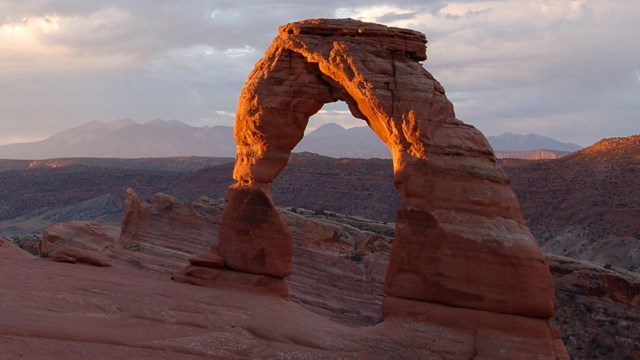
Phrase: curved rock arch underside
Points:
(461, 241)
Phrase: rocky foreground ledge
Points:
(60, 310)
(52, 310)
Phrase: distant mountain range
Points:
(335, 141)
(128, 139)
(515, 142)
(160, 138)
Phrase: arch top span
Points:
(460, 236)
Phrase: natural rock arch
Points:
(460, 237)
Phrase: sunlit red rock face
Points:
(460, 237)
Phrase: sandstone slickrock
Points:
(495, 336)
(338, 271)
(52, 311)
(333, 254)
(460, 237)
(229, 279)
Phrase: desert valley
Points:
(417, 246)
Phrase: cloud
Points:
(538, 65)
(507, 65)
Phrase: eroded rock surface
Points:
(8, 248)
(460, 237)
(75, 255)
(51, 310)
(160, 235)
(153, 230)
(262, 243)
(338, 271)
(339, 261)
(339, 265)
(84, 235)
(598, 309)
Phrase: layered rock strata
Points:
(460, 237)
(154, 229)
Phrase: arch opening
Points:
(333, 131)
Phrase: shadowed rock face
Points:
(460, 236)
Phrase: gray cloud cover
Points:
(569, 69)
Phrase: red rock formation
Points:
(52, 311)
(135, 221)
(339, 264)
(460, 237)
(261, 243)
(154, 229)
(7, 248)
(589, 279)
(208, 260)
(75, 255)
(84, 235)
(161, 235)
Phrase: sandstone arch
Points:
(460, 237)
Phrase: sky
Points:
(568, 69)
